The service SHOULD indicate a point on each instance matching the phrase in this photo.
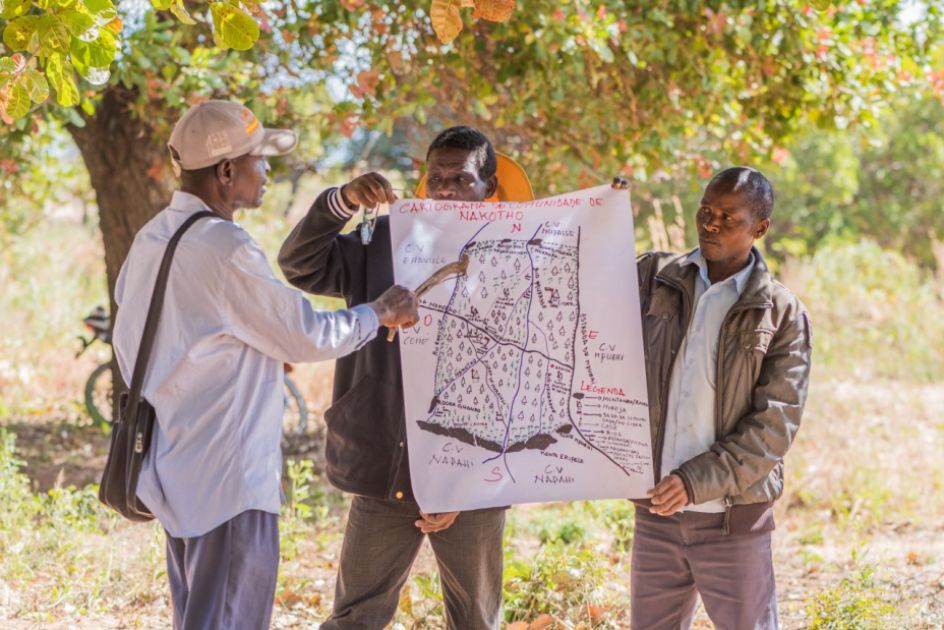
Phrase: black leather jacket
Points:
(365, 448)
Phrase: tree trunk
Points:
(123, 159)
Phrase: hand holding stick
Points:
(397, 306)
(454, 269)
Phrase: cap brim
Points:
(276, 142)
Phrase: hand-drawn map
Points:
(524, 380)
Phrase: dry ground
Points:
(864, 491)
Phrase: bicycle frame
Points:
(85, 344)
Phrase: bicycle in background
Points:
(98, 387)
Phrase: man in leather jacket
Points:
(727, 362)
(366, 450)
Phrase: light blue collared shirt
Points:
(215, 374)
(690, 417)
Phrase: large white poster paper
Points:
(524, 380)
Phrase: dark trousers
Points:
(225, 579)
(380, 545)
(679, 557)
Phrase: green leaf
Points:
(18, 100)
(36, 83)
(74, 118)
(181, 54)
(77, 22)
(7, 64)
(86, 64)
(97, 54)
(235, 28)
(168, 71)
(162, 5)
(53, 34)
(19, 33)
(59, 73)
(108, 41)
(100, 6)
(80, 55)
(14, 8)
(179, 10)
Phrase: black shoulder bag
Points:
(131, 432)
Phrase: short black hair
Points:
(468, 139)
(192, 176)
(199, 174)
(749, 182)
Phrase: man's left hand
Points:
(430, 523)
(669, 496)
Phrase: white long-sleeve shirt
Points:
(215, 373)
(690, 413)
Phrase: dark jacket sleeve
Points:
(316, 258)
(763, 436)
(646, 266)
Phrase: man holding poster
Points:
(728, 362)
(366, 446)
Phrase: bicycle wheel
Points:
(98, 394)
(295, 418)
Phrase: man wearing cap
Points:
(365, 448)
(212, 473)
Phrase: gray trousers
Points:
(679, 557)
(225, 579)
(380, 545)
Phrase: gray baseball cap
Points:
(217, 130)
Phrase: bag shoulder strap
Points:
(154, 310)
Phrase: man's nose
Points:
(446, 192)
(712, 225)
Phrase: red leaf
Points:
(156, 172)
(716, 22)
(367, 81)
(349, 124)
(596, 613)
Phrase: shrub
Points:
(18, 508)
(875, 314)
(560, 578)
(854, 603)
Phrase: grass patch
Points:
(856, 601)
(68, 549)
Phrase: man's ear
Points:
(491, 185)
(761, 228)
(224, 171)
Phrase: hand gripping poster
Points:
(524, 380)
